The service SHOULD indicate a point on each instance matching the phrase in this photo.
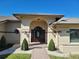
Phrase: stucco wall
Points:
(51, 34)
(2, 28)
(25, 30)
(12, 37)
(40, 23)
(27, 26)
(64, 39)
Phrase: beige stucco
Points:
(64, 38)
(31, 23)
(11, 27)
(2, 28)
(6, 27)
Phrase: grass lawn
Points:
(71, 57)
(56, 57)
(16, 56)
(74, 57)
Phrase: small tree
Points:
(51, 45)
(24, 45)
(3, 42)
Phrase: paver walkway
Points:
(39, 52)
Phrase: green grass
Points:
(74, 57)
(15, 56)
(71, 57)
(56, 57)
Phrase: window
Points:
(74, 35)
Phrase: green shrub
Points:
(24, 45)
(51, 45)
(2, 43)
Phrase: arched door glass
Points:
(38, 33)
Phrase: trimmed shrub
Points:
(2, 43)
(51, 45)
(24, 45)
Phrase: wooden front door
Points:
(38, 35)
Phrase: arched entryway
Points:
(38, 35)
(38, 28)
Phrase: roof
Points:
(68, 21)
(39, 14)
(10, 18)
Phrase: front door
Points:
(38, 35)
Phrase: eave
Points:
(24, 16)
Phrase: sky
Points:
(70, 8)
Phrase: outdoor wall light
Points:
(16, 31)
(67, 31)
(59, 31)
(38, 19)
(55, 31)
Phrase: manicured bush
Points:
(51, 45)
(24, 45)
(2, 43)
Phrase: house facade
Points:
(41, 28)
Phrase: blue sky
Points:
(70, 8)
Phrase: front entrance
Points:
(38, 35)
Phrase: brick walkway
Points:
(39, 52)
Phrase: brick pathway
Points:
(39, 52)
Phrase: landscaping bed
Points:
(7, 46)
(16, 56)
(3, 44)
